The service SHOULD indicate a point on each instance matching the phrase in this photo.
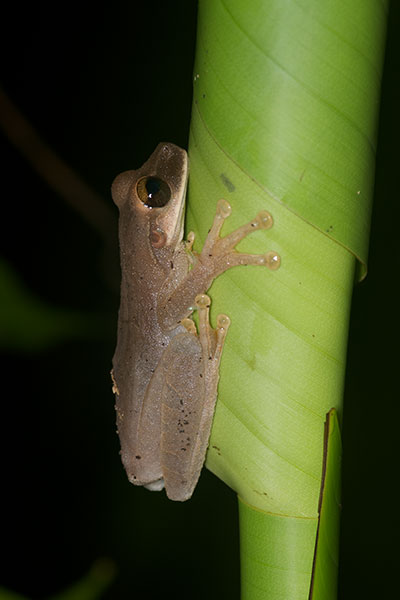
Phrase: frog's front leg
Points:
(218, 255)
(191, 372)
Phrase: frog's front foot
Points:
(221, 251)
(218, 255)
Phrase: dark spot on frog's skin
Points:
(203, 96)
(200, 374)
(138, 457)
(184, 449)
(186, 422)
(172, 264)
(227, 183)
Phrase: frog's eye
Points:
(153, 192)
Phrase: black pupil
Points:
(155, 192)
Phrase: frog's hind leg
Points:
(189, 396)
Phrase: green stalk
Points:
(284, 119)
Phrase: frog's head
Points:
(154, 195)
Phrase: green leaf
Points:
(324, 579)
(10, 595)
(284, 119)
(30, 324)
(284, 567)
(283, 363)
(92, 585)
(266, 571)
(302, 96)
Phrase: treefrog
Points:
(165, 373)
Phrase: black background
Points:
(103, 84)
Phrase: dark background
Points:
(103, 85)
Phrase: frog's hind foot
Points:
(211, 340)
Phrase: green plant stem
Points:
(285, 116)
